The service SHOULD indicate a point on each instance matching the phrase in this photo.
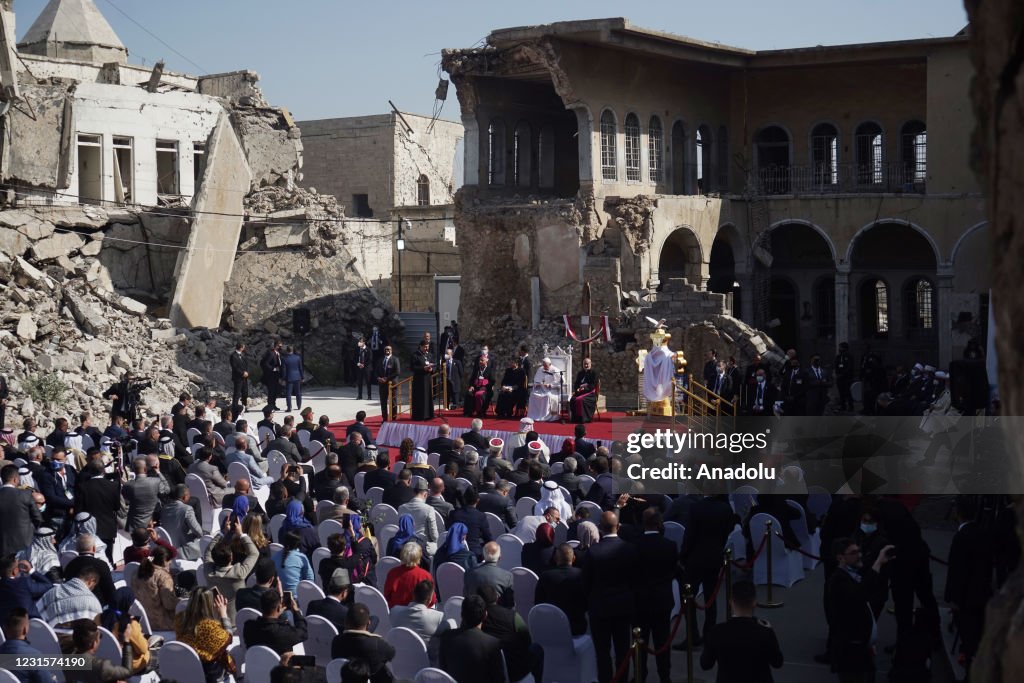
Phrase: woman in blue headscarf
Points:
(455, 549)
(406, 532)
(296, 521)
(240, 508)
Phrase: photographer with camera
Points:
(127, 395)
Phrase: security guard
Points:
(745, 646)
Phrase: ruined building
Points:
(823, 194)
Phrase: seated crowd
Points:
(109, 531)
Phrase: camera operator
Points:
(126, 395)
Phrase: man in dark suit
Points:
(283, 443)
(272, 366)
(387, 371)
(609, 575)
(324, 435)
(818, 383)
(399, 494)
(360, 426)
(711, 522)
(364, 371)
(532, 487)
(761, 397)
(58, 485)
(659, 565)
(849, 594)
(468, 654)
(453, 377)
(436, 500)
(745, 648)
(794, 389)
(721, 383)
(583, 446)
(710, 368)
(265, 574)
(382, 476)
(442, 444)
(332, 607)
(969, 577)
(21, 586)
(272, 629)
(563, 588)
(351, 456)
(239, 376)
(568, 480)
(500, 503)
(100, 497)
(356, 642)
(474, 438)
(19, 513)
(475, 521)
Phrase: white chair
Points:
(524, 583)
(434, 460)
(138, 611)
(218, 440)
(318, 455)
(275, 461)
(818, 501)
(742, 499)
(44, 638)
(360, 478)
(397, 467)
(221, 516)
(453, 608)
(586, 481)
(197, 487)
(561, 532)
(326, 529)
(180, 662)
(205, 542)
(557, 468)
(109, 648)
(334, 668)
(461, 484)
(321, 635)
(374, 496)
(511, 551)
(787, 566)
(738, 543)
(275, 548)
(304, 437)
(130, 570)
(194, 448)
(266, 435)
(382, 513)
(319, 555)
(66, 556)
(595, 510)
(565, 658)
(524, 507)
(191, 434)
(181, 606)
(244, 616)
(307, 592)
(7, 677)
(432, 675)
(495, 524)
(384, 536)
(451, 579)
(236, 471)
(259, 661)
(378, 606)
(809, 543)
(275, 525)
(674, 531)
(384, 565)
(410, 653)
(323, 507)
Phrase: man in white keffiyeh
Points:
(551, 497)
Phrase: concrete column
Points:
(944, 275)
(585, 139)
(471, 151)
(535, 302)
(746, 313)
(842, 305)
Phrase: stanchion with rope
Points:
(770, 603)
(639, 654)
(690, 622)
(727, 569)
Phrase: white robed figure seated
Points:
(546, 397)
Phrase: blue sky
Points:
(328, 58)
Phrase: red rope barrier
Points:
(757, 554)
(797, 548)
(671, 636)
(940, 561)
(714, 594)
(623, 667)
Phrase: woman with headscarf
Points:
(84, 524)
(118, 621)
(455, 549)
(419, 465)
(364, 546)
(42, 554)
(551, 497)
(537, 555)
(406, 532)
(296, 521)
(587, 535)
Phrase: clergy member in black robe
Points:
(584, 393)
(480, 389)
(513, 384)
(422, 370)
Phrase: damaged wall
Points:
(272, 144)
(429, 153)
(41, 125)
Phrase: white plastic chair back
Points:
(674, 531)
(109, 648)
(43, 637)
(275, 548)
(566, 659)
(180, 662)
(451, 579)
(236, 471)
(275, 461)
(7, 677)
(384, 565)
(275, 525)
(397, 467)
(818, 501)
(453, 608)
(323, 507)
(787, 566)
(266, 435)
(586, 481)
(524, 507)
(808, 543)
(495, 524)
(307, 592)
(434, 460)
(742, 499)
(304, 437)
(524, 583)
(374, 496)
(384, 535)
(321, 635)
(221, 516)
(197, 487)
(557, 468)
(139, 612)
(318, 455)
(440, 521)
(461, 484)
(511, 551)
(432, 675)
(595, 510)
(378, 606)
(319, 555)
(360, 493)
(130, 570)
(382, 513)
(561, 532)
(259, 661)
(245, 615)
(218, 439)
(66, 556)
(334, 668)
(410, 653)
(181, 606)
(326, 529)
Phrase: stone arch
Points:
(727, 263)
(964, 238)
(682, 255)
(936, 253)
(817, 228)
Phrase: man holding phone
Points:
(224, 574)
(272, 628)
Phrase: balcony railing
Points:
(840, 178)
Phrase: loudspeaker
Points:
(300, 321)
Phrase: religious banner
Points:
(604, 330)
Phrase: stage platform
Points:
(392, 433)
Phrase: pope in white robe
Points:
(659, 372)
(546, 398)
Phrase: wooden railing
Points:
(704, 405)
(400, 392)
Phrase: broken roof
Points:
(77, 22)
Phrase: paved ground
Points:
(800, 623)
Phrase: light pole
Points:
(400, 246)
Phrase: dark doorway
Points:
(783, 307)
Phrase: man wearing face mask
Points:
(58, 486)
(817, 387)
(750, 377)
(364, 370)
(761, 397)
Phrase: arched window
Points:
(546, 156)
(609, 170)
(874, 308)
(632, 129)
(522, 153)
(869, 147)
(772, 147)
(705, 165)
(825, 155)
(496, 153)
(423, 190)
(914, 152)
(655, 149)
(825, 307)
(919, 307)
